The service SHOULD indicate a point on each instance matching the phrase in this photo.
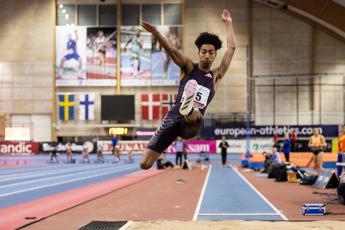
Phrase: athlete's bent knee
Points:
(145, 165)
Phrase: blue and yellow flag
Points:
(66, 106)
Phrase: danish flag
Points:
(150, 106)
(168, 101)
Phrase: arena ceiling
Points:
(327, 13)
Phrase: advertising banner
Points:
(256, 145)
(197, 146)
(13, 147)
(269, 131)
(125, 146)
(46, 147)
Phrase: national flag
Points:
(168, 101)
(66, 106)
(150, 106)
(87, 106)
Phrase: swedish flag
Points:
(66, 107)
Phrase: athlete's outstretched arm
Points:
(179, 59)
(129, 40)
(230, 39)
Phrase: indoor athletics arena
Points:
(174, 114)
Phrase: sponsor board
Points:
(12, 147)
(269, 131)
(197, 146)
(256, 145)
(125, 146)
(194, 146)
(46, 147)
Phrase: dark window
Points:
(107, 15)
(87, 15)
(65, 15)
(172, 14)
(152, 14)
(130, 15)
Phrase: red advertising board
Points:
(16, 147)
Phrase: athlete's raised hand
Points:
(226, 16)
(149, 27)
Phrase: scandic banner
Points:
(12, 147)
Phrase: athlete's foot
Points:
(190, 90)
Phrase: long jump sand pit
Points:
(235, 224)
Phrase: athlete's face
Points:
(207, 54)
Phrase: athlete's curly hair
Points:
(208, 38)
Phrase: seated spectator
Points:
(162, 163)
(271, 158)
(276, 168)
(204, 160)
(275, 156)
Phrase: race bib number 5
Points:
(202, 96)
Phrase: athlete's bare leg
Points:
(148, 159)
(194, 116)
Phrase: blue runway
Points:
(23, 184)
(228, 196)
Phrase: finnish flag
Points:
(87, 106)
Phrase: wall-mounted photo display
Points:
(70, 55)
(164, 70)
(85, 56)
(136, 46)
(101, 56)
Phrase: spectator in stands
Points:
(85, 153)
(316, 144)
(162, 163)
(287, 147)
(223, 145)
(204, 160)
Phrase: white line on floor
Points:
(262, 196)
(196, 213)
